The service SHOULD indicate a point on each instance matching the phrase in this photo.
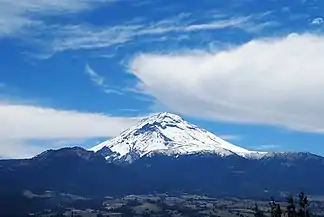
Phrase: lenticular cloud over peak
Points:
(274, 81)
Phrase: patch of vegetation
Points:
(292, 209)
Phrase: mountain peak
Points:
(163, 117)
(169, 115)
(168, 134)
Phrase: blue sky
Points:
(76, 72)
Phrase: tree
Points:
(275, 208)
(303, 204)
(291, 208)
(258, 212)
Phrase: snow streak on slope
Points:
(169, 134)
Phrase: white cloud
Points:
(16, 16)
(99, 81)
(22, 123)
(269, 147)
(318, 21)
(29, 122)
(18, 149)
(277, 81)
(231, 137)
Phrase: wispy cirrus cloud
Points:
(75, 37)
(91, 37)
(26, 20)
(100, 81)
(19, 16)
(95, 78)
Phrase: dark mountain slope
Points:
(77, 171)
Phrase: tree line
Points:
(293, 208)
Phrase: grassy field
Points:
(168, 205)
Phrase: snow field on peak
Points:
(169, 134)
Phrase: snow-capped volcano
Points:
(167, 134)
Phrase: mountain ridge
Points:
(79, 171)
(211, 171)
